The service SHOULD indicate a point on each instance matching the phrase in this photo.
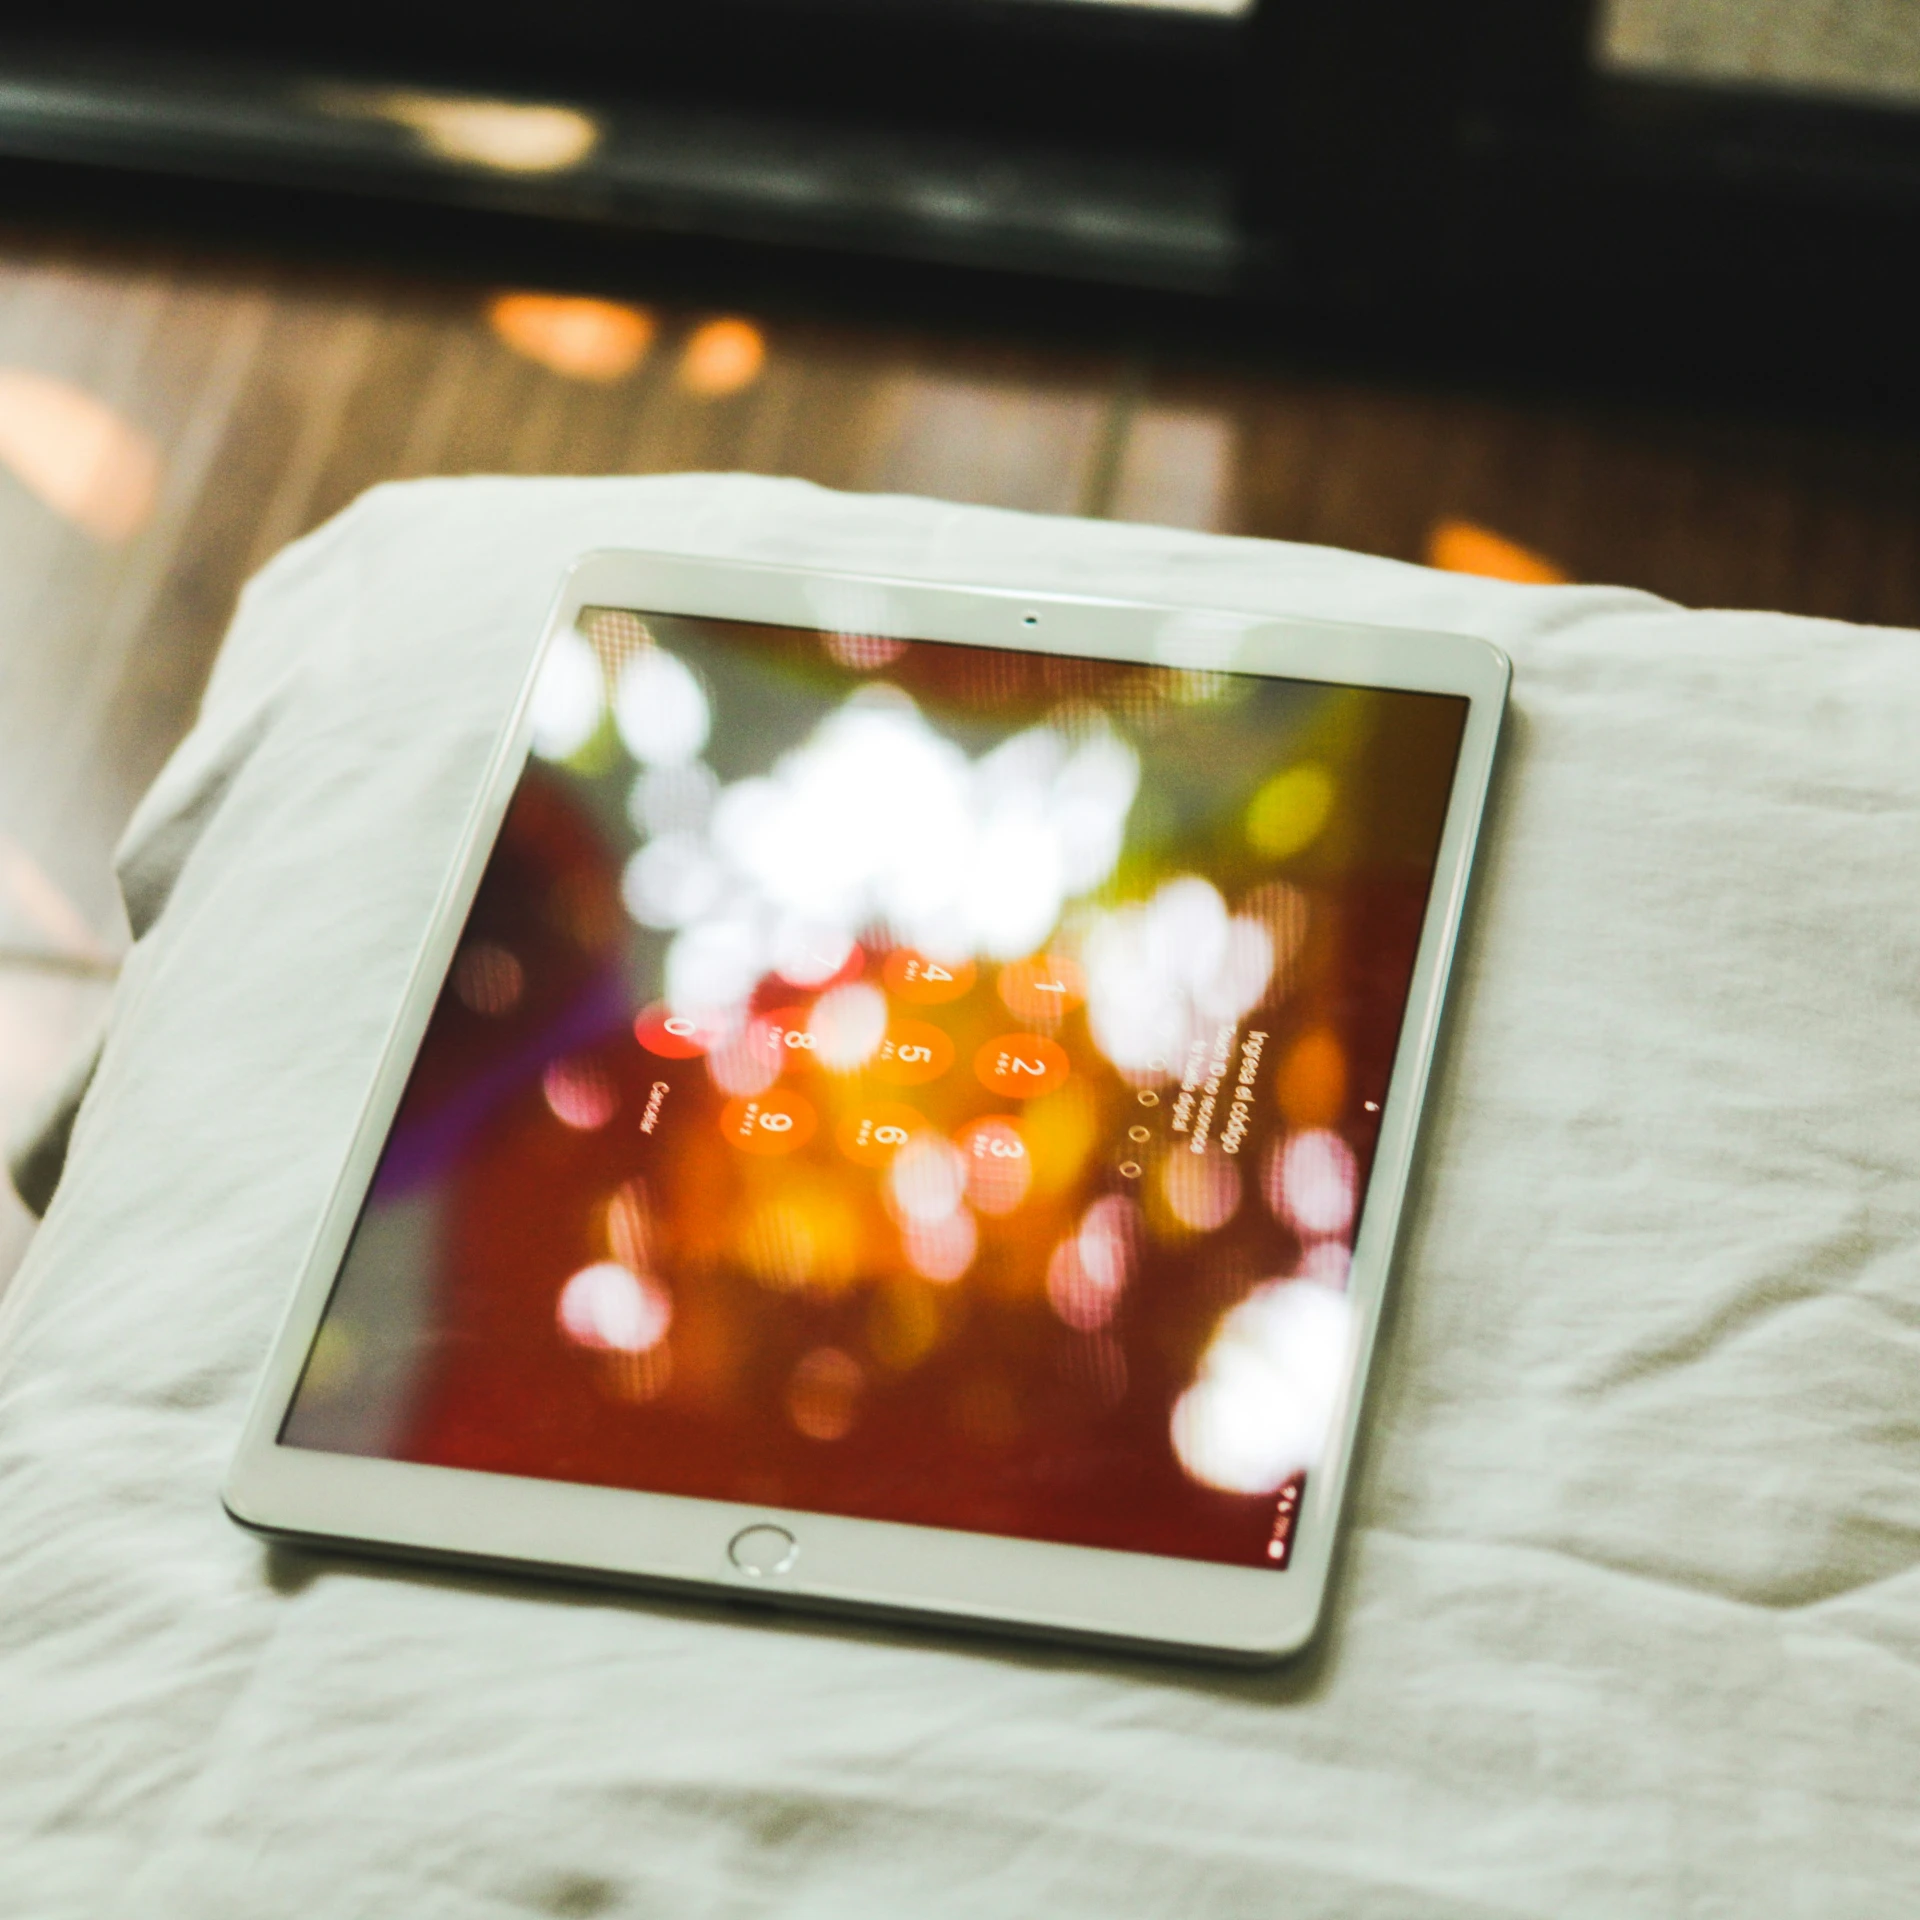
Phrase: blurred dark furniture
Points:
(1378, 158)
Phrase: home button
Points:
(763, 1551)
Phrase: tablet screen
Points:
(920, 1082)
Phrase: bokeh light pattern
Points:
(608, 1307)
(923, 1082)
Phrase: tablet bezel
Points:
(1029, 1586)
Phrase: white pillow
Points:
(1630, 1619)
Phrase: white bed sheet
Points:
(1630, 1619)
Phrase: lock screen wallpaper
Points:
(918, 1082)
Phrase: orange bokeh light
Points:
(1458, 546)
(823, 1397)
(508, 136)
(721, 358)
(582, 339)
(83, 459)
(1312, 1082)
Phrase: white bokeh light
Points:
(748, 1060)
(569, 696)
(876, 821)
(672, 881)
(672, 799)
(712, 969)
(1163, 975)
(927, 1180)
(580, 1093)
(1091, 1268)
(941, 1250)
(1269, 1383)
(1311, 1183)
(612, 1309)
(807, 952)
(659, 709)
(1329, 1261)
(863, 652)
(847, 1025)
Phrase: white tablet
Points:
(904, 1104)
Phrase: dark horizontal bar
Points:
(943, 196)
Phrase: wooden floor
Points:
(167, 422)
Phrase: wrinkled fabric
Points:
(1628, 1618)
